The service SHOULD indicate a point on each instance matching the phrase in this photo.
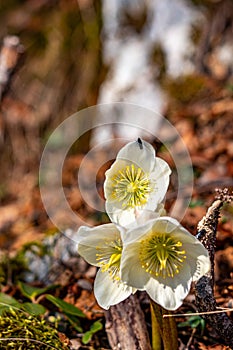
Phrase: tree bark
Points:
(126, 327)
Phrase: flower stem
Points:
(156, 328)
(164, 330)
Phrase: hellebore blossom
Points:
(143, 250)
(101, 246)
(136, 181)
(163, 258)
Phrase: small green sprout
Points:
(195, 322)
(96, 326)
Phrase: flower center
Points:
(131, 186)
(161, 255)
(109, 258)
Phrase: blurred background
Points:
(58, 57)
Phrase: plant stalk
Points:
(164, 330)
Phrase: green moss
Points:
(20, 331)
(11, 268)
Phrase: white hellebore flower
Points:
(163, 258)
(136, 181)
(101, 246)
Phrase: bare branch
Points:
(205, 301)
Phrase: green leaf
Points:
(34, 309)
(32, 292)
(183, 324)
(202, 325)
(3, 308)
(95, 327)
(193, 322)
(65, 307)
(87, 337)
(7, 300)
(74, 321)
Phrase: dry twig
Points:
(205, 300)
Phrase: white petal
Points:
(109, 293)
(143, 216)
(197, 255)
(157, 224)
(166, 224)
(142, 157)
(160, 178)
(89, 239)
(170, 292)
(190, 240)
(198, 259)
(138, 232)
(161, 168)
(131, 271)
(114, 169)
(203, 266)
(122, 217)
(132, 218)
(96, 233)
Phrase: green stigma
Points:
(131, 186)
(109, 258)
(161, 255)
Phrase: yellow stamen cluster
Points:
(131, 186)
(161, 255)
(109, 258)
